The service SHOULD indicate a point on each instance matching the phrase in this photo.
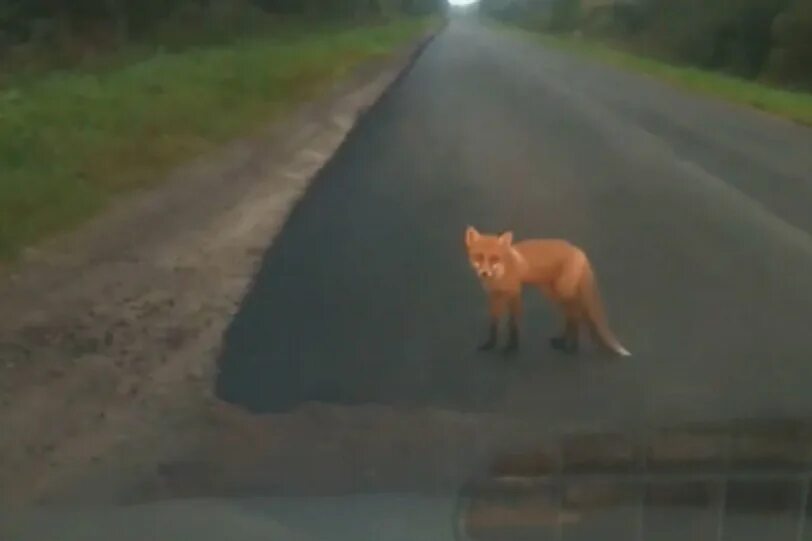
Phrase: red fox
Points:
(559, 269)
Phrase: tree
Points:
(565, 15)
(791, 58)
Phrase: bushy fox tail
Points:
(596, 315)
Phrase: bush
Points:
(728, 35)
(40, 34)
(746, 38)
(565, 15)
(790, 61)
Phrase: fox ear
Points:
(471, 236)
(506, 238)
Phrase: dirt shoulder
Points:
(108, 337)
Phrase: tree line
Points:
(103, 24)
(758, 39)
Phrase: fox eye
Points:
(478, 258)
(493, 260)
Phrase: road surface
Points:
(696, 214)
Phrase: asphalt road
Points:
(695, 213)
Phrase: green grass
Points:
(71, 141)
(796, 106)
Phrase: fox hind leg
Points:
(565, 290)
(567, 341)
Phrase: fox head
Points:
(488, 253)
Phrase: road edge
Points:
(141, 253)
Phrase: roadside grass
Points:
(792, 105)
(70, 141)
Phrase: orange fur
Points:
(560, 270)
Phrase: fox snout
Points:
(487, 272)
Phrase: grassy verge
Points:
(796, 106)
(71, 141)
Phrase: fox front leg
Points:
(498, 305)
(493, 332)
(496, 309)
(515, 307)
